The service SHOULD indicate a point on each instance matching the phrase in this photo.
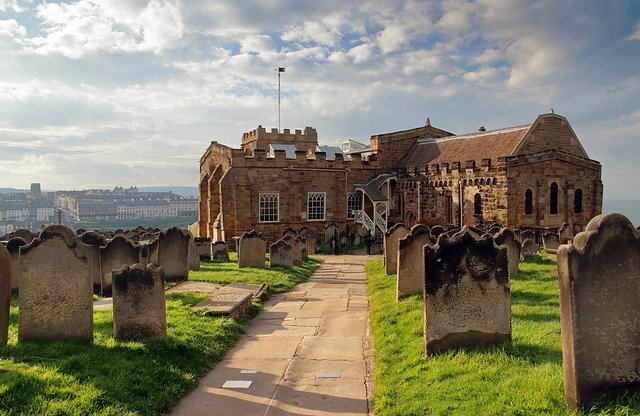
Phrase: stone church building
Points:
(535, 176)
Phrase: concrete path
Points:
(307, 353)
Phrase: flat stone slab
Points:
(192, 286)
(226, 301)
(102, 304)
(257, 291)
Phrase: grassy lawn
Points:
(524, 378)
(129, 378)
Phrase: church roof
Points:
(471, 146)
(331, 152)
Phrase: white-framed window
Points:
(269, 207)
(354, 202)
(316, 206)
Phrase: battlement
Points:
(302, 160)
(457, 168)
(260, 138)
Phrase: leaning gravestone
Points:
(280, 254)
(94, 242)
(467, 295)
(55, 288)
(391, 239)
(5, 293)
(303, 248)
(219, 251)
(507, 238)
(410, 250)
(530, 250)
(193, 254)
(173, 251)
(565, 233)
(139, 310)
(599, 280)
(252, 250)
(296, 249)
(116, 253)
(13, 246)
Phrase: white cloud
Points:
(257, 43)
(161, 25)
(361, 53)
(12, 29)
(534, 57)
(422, 61)
(315, 32)
(636, 34)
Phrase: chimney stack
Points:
(482, 128)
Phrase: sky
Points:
(99, 93)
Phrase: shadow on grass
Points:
(534, 354)
(537, 317)
(533, 298)
(535, 275)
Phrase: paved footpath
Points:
(307, 353)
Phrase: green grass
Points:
(524, 378)
(107, 377)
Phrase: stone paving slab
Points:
(321, 327)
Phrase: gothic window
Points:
(528, 202)
(316, 206)
(269, 207)
(354, 202)
(553, 198)
(477, 204)
(577, 203)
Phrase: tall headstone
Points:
(203, 246)
(56, 298)
(311, 239)
(116, 253)
(94, 241)
(173, 250)
(565, 233)
(13, 246)
(391, 239)
(252, 250)
(193, 254)
(467, 294)
(507, 238)
(6, 268)
(296, 249)
(599, 281)
(280, 254)
(139, 309)
(410, 251)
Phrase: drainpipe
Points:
(419, 201)
(461, 202)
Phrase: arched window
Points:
(477, 204)
(553, 198)
(354, 203)
(528, 202)
(577, 203)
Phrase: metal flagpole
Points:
(280, 70)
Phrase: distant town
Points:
(94, 208)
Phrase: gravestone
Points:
(529, 250)
(280, 254)
(311, 238)
(193, 254)
(303, 248)
(410, 250)
(550, 242)
(26, 235)
(252, 249)
(139, 310)
(332, 233)
(599, 281)
(118, 252)
(80, 231)
(289, 231)
(527, 235)
(296, 249)
(94, 241)
(436, 230)
(467, 295)
(6, 268)
(173, 251)
(507, 238)
(565, 233)
(391, 239)
(203, 245)
(13, 247)
(56, 299)
(493, 231)
(219, 251)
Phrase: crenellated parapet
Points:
(302, 160)
(260, 138)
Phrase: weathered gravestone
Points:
(252, 249)
(289, 231)
(436, 230)
(203, 246)
(280, 254)
(332, 233)
(410, 250)
(311, 239)
(467, 295)
(193, 254)
(303, 248)
(26, 235)
(55, 288)
(599, 281)
(219, 251)
(116, 253)
(94, 241)
(296, 249)
(493, 231)
(139, 310)
(507, 238)
(391, 239)
(550, 242)
(529, 250)
(5, 293)
(565, 233)
(173, 251)
(13, 247)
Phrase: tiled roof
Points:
(471, 146)
(331, 151)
